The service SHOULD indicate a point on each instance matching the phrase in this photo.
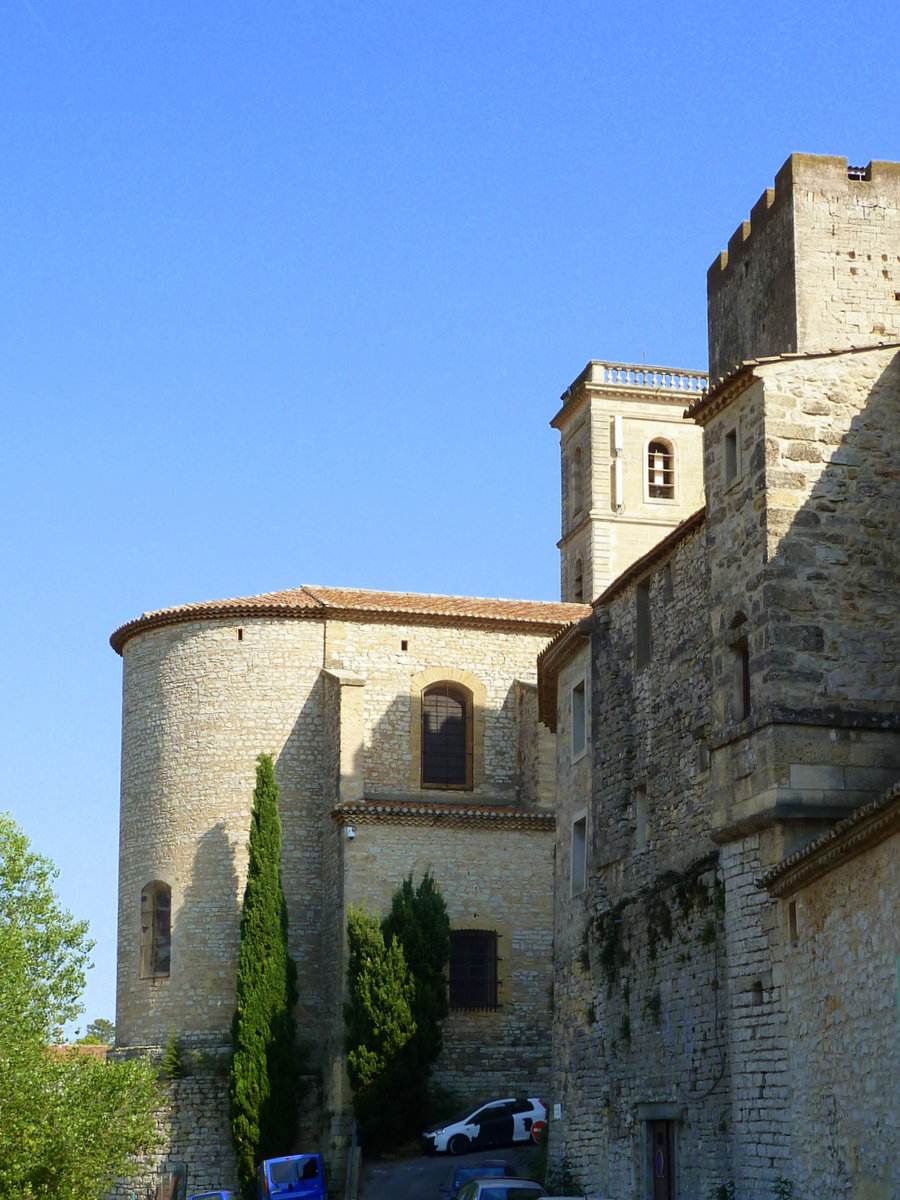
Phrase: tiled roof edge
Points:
(856, 833)
(542, 620)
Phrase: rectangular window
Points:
(579, 853)
(579, 720)
(473, 969)
(732, 460)
(643, 638)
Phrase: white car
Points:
(502, 1189)
(497, 1123)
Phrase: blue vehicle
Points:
(212, 1196)
(294, 1175)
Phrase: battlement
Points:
(818, 173)
(816, 267)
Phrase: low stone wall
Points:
(194, 1128)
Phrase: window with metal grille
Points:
(446, 737)
(473, 969)
(156, 930)
(660, 471)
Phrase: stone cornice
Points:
(425, 812)
(857, 833)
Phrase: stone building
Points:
(673, 810)
(406, 739)
(726, 936)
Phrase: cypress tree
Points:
(262, 1083)
(418, 919)
(379, 1021)
(397, 1001)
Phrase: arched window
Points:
(578, 581)
(156, 930)
(446, 736)
(660, 471)
(577, 481)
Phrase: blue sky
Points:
(291, 290)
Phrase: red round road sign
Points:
(537, 1128)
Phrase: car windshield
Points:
(520, 1192)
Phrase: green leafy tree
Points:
(380, 1024)
(99, 1033)
(263, 1079)
(69, 1122)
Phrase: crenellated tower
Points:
(631, 468)
(816, 268)
(802, 497)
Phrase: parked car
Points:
(292, 1177)
(488, 1168)
(496, 1123)
(502, 1189)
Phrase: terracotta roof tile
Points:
(320, 602)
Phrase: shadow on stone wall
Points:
(830, 589)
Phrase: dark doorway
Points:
(662, 1158)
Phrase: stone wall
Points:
(836, 958)
(338, 705)
(760, 1080)
(803, 559)
(193, 1124)
(639, 1018)
(496, 880)
(200, 704)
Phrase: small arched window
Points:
(660, 471)
(577, 481)
(156, 930)
(578, 581)
(446, 736)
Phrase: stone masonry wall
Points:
(639, 1023)
(496, 658)
(490, 880)
(840, 989)
(757, 1026)
(803, 562)
(199, 706)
